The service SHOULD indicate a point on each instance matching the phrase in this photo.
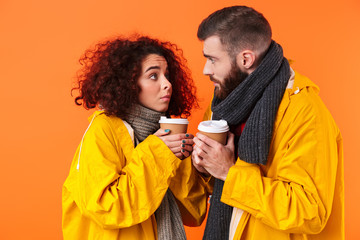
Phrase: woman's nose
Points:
(166, 83)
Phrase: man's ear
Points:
(245, 60)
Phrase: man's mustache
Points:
(214, 80)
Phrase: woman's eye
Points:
(153, 76)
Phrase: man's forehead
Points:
(213, 46)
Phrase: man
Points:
(280, 175)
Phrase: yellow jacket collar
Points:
(301, 82)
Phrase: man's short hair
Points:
(239, 28)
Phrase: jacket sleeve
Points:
(190, 191)
(296, 194)
(117, 192)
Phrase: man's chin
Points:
(219, 94)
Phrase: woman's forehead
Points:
(153, 60)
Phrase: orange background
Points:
(41, 42)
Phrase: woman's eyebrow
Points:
(152, 67)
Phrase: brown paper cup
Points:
(174, 128)
(176, 125)
(215, 129)
(219, 137)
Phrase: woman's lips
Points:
(166, 98)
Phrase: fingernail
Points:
(182, 150)
(167, 130)
(183, 141)
(187, 135)
(183, 145)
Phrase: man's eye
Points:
(212, 60)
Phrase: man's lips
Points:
(215, 81)
(216, 84)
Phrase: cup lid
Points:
(213, 126)
(164, 119)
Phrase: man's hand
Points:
(211, 157)
(196, 161)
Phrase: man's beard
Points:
(234, 78)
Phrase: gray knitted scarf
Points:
(145, 121)
(255, 101)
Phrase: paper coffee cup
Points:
(215, 129)
(176, 125)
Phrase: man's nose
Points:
(207, 68)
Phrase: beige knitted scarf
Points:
(145, 121)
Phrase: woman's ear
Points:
(245, 60)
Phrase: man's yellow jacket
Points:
(113, 189)
(299, 193)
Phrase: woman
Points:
(127, 179)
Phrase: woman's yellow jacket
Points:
(116, 189)
(299, 193)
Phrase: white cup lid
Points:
(213, 126)
(164, 119)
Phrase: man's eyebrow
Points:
(208, 56)
(152, 67)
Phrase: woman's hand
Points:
(180, 144)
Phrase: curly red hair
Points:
(110, 72)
